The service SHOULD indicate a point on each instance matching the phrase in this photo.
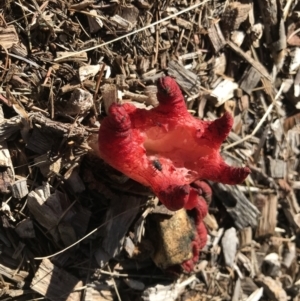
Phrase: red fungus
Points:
(137, 141)
(167, 149)
(198, 213)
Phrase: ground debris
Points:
(73, 228)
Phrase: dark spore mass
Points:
(157, 165)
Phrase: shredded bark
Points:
(73, 228)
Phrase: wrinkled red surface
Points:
(167, 149)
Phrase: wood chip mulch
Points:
(73, 228)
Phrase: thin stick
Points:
(97, 88)
(115, 285)
(117, 275)
(292, 34)
(286, 9)
(157, 29)
(268, 111)
(51, 100)
(27, 26)
(98, 82)
(132, 33)
(82, 28)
